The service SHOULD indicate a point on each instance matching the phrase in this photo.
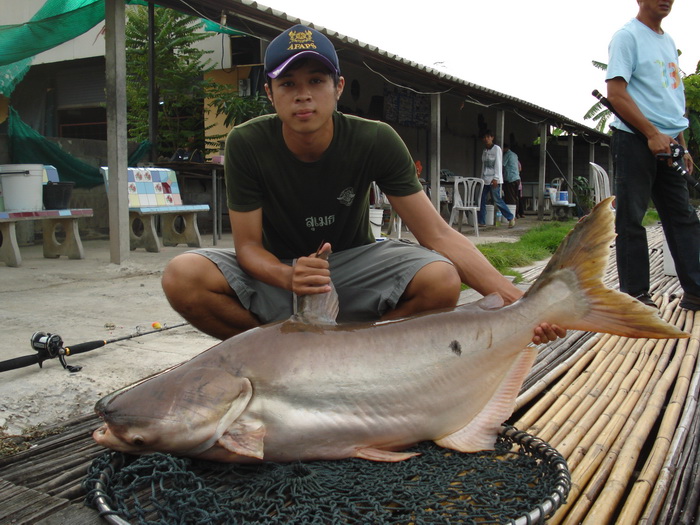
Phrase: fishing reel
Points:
(50, 346)
(676, 161)
(677, 152)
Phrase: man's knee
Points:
(185, 277)
(438, 284)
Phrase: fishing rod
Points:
(677, 151)
(50, 346)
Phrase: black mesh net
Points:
(522, 481)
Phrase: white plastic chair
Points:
(600, 182)
(380, 200)
(466, 198)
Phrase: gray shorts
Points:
(369, 280)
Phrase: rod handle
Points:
(84, 347)
(20, 362)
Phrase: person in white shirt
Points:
(492, 173)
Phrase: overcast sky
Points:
(540, 52)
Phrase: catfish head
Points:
(182, 411)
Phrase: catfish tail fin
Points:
(580, 261)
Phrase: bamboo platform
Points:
(623, 412)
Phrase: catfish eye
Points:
(138, 441)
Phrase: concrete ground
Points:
(92, 299)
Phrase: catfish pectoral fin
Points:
(481, 432)
(376, 454)
(245, 438)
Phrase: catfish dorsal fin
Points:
(317, 309)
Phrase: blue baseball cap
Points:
(298, 42)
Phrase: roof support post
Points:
(570, 167)
(435, 145)
(542, 171)
(500, 127)
(115, 65)
(152, 93)
(591, 158)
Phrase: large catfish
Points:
(307, 388)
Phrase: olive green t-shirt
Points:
(305, 203)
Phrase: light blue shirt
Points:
(648, 62)
(510, 166)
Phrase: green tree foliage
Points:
(237, 109)
(179, 76)
(692, 101)
(598, 111)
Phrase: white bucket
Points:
(376, 218)
(512, 208)
(669, 265)
(22, 186)
(489, 215)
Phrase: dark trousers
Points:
(511, 195)
(640, 176)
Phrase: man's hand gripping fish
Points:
(308, 389)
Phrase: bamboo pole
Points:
(679, 430)
(594, 421)
(645, 483)
(610, 423)
(574, 375)
(681, 500)
(599, 457)
(552, 356)
(583, 355)
(608, 500)
(562, 401)
(599, 397)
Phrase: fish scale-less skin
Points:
(307, 389)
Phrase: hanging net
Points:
(56, 22)
(27, 146)
(523, 481)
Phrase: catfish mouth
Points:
(104, 436)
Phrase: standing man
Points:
(492, 173)
(511, 176)
(297, 185)
(645, 88)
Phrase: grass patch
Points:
(537, 244)
(651, 217)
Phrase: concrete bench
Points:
(563, 211)
(52, 220)
(154, 194)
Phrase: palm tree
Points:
(598, 111)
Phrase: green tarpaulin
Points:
(29, 147)
(57, 21)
